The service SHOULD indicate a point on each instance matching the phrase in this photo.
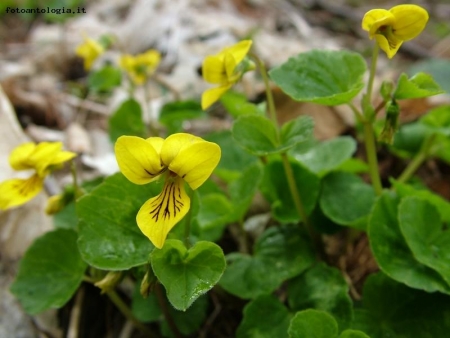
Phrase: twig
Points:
(75, 315)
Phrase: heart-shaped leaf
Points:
(109, 237)
(321, 76)
(322, 288)
(50, 272)
(422, 228)
(346, 199)
(391, 309)
(280, 253)
(312, 324)
(264, 317)
(187, 274)
(391, 251)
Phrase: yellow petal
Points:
(127, 62)
(195, 163)
(390, 47)
(239, 50)
(137, 159)
(376, 18)
(19, 157)
(213, 70)
(410, 20)
(211, 95)
(160, 214)
(156, 143)
(230, 66)
(89, 51)
(150, 58)
(16, 192)
(174, 144)
(42, 156)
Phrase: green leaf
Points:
(391, 251)
(353, 334)
(50, 272)
(237, 104)
(147, 309)
(346, 199)
(410, 137)
(256, 134)
(174, 114)
(421, 226)
(279, 254)
(326, 156)
(312, 324)
(264, 317)
(66, 218)
(187, 274)
(105, 79)
(109, 237)
(234, 160)
(213, 216)
(243, 189)
(438, 119)
(439, 69)
(391, 309)
(276, 189)
(189, 321)
(354, 166)
(443, 206)
(321, 76)
(126, 120)
(322, 288)
(420, 85)
(296, 131)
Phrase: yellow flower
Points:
(222, 69)
(89, 50)
(42, 158)
(181, 158)
(141, 66)
(390, 28)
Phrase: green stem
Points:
(269, 96)
(152, 130)
(78, 191)
(162, 301)
(243, 247)
(286, 164)
(372, 160)
(373, 69)
(187, 223)
(417, 161)
(125, 310)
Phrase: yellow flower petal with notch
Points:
(222, 69)
(391, 28)
(181, 158)
(138, 159)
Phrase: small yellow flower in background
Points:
(89, 50)
(141, 66)
(42, 158)
(391, 28)
(181, 158)
(224, 70)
